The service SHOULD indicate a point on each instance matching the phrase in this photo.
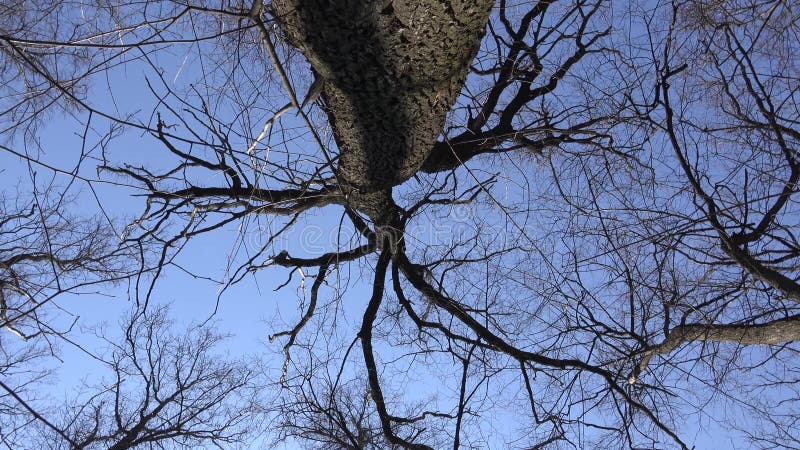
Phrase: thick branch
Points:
(327, 259)
(771, 333)
(369, 357)
(414, 276)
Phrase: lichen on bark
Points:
(391, 71)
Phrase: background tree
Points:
(166, 389)
(47, 251)
(629, 178)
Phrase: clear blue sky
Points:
(250, 310)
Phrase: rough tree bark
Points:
(391, 71)
(771, 333)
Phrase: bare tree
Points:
(21, 374)
(46, 251)
(324, 414)
(629, 177)
(165, 389)
(168, 389)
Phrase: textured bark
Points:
(391, 70)
(771, 333)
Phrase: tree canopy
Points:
(541, 224)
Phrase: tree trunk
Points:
(391, 71)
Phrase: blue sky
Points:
(250, 310)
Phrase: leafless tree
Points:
(21, 374)
(164, 389)
(46, 251)
(552, 223)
